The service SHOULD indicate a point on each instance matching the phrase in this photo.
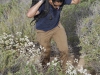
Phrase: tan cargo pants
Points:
(58, 34)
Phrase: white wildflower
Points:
(25, 44)
(76, 60)
(71, 67)
(30, 43)
(21, 44)
(81, 69)
(21, 51)
(55, 59)
(33, 45)
(32, 48)
(11, 36)
(17, 45)
(74, 72)
(30, 51)
(16, 39)
(7, 47)
(7, 42)
(2, 41)
(11, 43)
(41, 47)
(10, 39)
(22, 39)
(26, 36)
(4, 37)
(4, 34)
(84, 71)
(27, 62)
(48, 64)
(68, 62)
(54, 64)
(38, 49)
(18, 33)
(18, 49)
(68, 71)
(27, 40)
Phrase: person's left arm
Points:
(68, 2)
(75, 1)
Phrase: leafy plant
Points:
(89, 35)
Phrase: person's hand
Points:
(42, 1)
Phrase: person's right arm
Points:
(34, 9)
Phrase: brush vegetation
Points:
(20, 56)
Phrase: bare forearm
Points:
(34, 10)
(75, 1)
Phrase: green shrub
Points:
(88, 30)
(13, 19)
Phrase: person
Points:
(49, 27)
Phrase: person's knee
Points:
(64, 51)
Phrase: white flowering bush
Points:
(29, 56)
(71, 70)
(10, 45)
(13, 41)
(20, 56)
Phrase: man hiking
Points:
(49, 27)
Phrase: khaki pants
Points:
(59, 36)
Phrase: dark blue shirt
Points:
(51, 20)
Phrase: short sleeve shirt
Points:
(52, 19)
